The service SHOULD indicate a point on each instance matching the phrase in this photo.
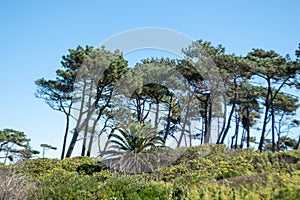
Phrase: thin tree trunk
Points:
(206, 120)
(202, 130)
(298, 144)
(243, 138)
(232, 140)
(185, 122)
(237, 125)
(92, 137)
(273, 115)
(83, 149)
(86, 129)
(139, 110)
(77, 130)
(267, 104)
(99, 136)
(190, 133)
(67, 128)
(207, 138)
(156, 114)
(222, 136)
(79, 125)
(228, 122)
(65, 138)
(248, 127)
(278, 142)
(76, 134)
(96, 121)
(273, 127)
(223, 124)
(169, 118)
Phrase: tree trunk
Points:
(273, 126)
(222, 136)
(92, 137)
(228, 122)
(267, 105)
(83, 149)
(298, 144)
(224, 121)
(86, 130)
(207, 138)
(202, 130)
(243, 138)
(76, 131)
(185, 122)
(96, 121)
(190, 133)
(248, 127)
(169, 119)
(232, 141)
(237, 125)
(206, 119)
(156, 114)
(65, 138)
(66, 130)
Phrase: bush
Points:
(208, 172)
(61, 184)
(124, 188)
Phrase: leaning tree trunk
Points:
(86, 129)
(223, 136)
(96, 121)
(185, 122)
(76, 131)
(267, 103)
(67, 113)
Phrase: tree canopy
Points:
(181, 98)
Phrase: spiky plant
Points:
(133, 148)
(136, 138)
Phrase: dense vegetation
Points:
(204, 172)
(134, 113)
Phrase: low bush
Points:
(205, 172)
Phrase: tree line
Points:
(104, 99)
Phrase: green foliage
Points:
(15, 144)
(136, 138)
(38, 167)
(61, 184)
(48, 146)
(204, 172)
(122, 188)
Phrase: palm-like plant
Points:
(137, 148)
(137, 138)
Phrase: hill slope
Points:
(204, 172)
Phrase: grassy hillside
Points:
(206, 172)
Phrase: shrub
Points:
(13, 185)
(123, 188)
(61, 184)
(209, 172)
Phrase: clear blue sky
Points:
(35, 34)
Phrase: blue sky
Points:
(35, 34)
